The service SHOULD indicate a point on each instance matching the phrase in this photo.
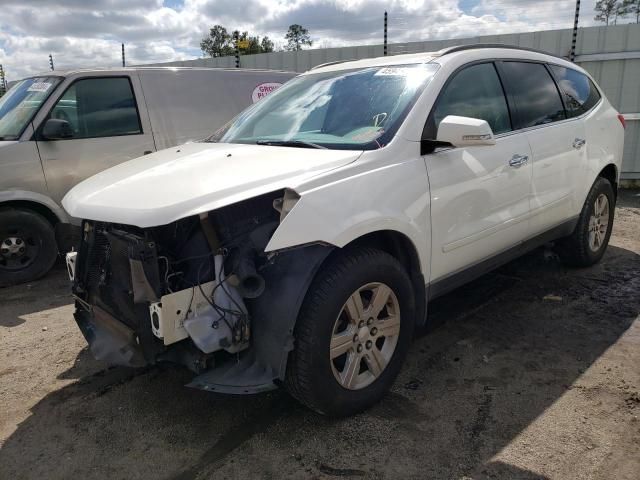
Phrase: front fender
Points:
(391, 197)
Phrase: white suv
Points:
(301, 244)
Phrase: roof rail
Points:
(330, 63)
(473, 46)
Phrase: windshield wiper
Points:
(289, 143)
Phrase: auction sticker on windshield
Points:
(263, 90)
(39, 87)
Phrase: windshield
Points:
(21, 102)
(355, 109)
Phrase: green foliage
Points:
(296, 37)
(266, 44)
(221, 43)
(218, 43)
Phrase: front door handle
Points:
(518, 160)
(147, 152)
(578, 143)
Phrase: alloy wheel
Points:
(599, 222)
(365, 336)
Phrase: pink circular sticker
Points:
(263, 90)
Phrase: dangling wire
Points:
(242, 317)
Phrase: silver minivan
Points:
(59, 128)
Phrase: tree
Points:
(606, 9)
(254, 44)
(621, 11)
(266, 45)
(218, 43)
(632, 7)
(296, 37)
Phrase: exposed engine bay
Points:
(200, 292)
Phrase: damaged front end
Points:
(200, 292)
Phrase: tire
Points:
(581, 249)
(313, 378)
(28, 247)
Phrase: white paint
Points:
(171, 184)
(465, 132)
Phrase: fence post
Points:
(385, 33)
(572, 55)
(236, 39)
(3, 83)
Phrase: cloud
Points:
(88, 33)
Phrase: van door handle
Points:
(518, 160)
(578, 143)
(147, 152)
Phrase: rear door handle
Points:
(518, 160)
(147, 152)
(578, 143)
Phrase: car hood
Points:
(178, 182)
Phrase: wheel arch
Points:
(36, 207)
(36, 202)
(610, 172)
(399, 246)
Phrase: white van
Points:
(62, 127)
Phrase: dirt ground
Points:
(510, 385)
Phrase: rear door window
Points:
(579, 92)
(534, 91)
(99, 107)
(475, 92)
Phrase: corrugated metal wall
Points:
(611, 54)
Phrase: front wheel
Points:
(28, 247)
(587, 244)
(353, 332)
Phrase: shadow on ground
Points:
(499, 358)
(49, 292)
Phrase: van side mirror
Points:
(57, 129)
(464, 131)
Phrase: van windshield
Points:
(349, 109)
(21, 102)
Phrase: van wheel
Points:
(353, 332)
(27, 246)
(588, 242)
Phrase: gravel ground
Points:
(532, 373)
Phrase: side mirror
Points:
(464, 131)
(56, 129)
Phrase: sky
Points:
(88, 33)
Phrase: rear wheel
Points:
(27, 246)
(587, 244)
(353, 333)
